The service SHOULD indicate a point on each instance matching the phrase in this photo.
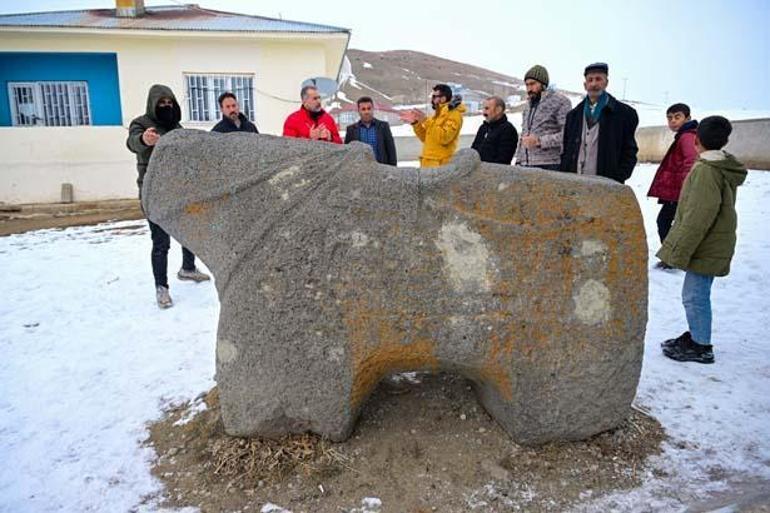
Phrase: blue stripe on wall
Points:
(100, 70)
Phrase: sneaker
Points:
(688, 351)
(676, 341)
(662, 265)
(163, 297)
(192, 275)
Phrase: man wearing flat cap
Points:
(599, 131)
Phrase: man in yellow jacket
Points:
(439, 133)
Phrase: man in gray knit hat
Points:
(543, 122)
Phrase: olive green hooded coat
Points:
(702, 238)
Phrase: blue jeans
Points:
(696, 297)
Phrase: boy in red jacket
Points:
(311, 121)
(678, 161)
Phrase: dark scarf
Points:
(690, 125)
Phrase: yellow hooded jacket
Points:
(440, 135)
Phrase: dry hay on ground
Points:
(433, 447)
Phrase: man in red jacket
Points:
(674, 168)
(311, 121)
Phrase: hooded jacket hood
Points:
(456, 102)
(157, 92)
(732, 169)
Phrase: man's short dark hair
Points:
(713, 132)
(679, 107)
(444, 90)
(224, 96)
(364, 99)
(305, 89)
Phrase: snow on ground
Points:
(720, 412)
(368, 66)
(88, 360)
(509, 84)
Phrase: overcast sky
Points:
(712, 54)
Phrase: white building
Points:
(72, 81)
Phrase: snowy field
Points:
(88, 360)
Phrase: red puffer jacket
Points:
(299, 123)
(679, 159)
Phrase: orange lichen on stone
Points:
(496, 369)
(196, 208)
(378, 348)
(201, 207)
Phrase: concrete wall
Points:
(749, 142)
(37, 160)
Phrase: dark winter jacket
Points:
(617, 144)
(673, 169)
(150, 120)
(702, 238)
(386, 147)
(496, 141)
(226, 125)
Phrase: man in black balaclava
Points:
(162, 116)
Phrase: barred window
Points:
(203, 91)
(49, 103)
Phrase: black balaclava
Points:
(165, 115)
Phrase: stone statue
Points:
(334, 271)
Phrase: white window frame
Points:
(69, 115)
(204, 108)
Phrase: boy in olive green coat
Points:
(702, 239)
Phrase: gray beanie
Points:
(539, 73)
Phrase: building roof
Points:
(188, 17)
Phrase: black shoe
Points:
(689, 351)
(676, 341)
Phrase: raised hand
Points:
(150, 137)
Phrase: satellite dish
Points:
(327, 87)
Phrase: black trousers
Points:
(665, 218)
(161, 242)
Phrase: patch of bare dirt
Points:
(11, 224)
(424, 446)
